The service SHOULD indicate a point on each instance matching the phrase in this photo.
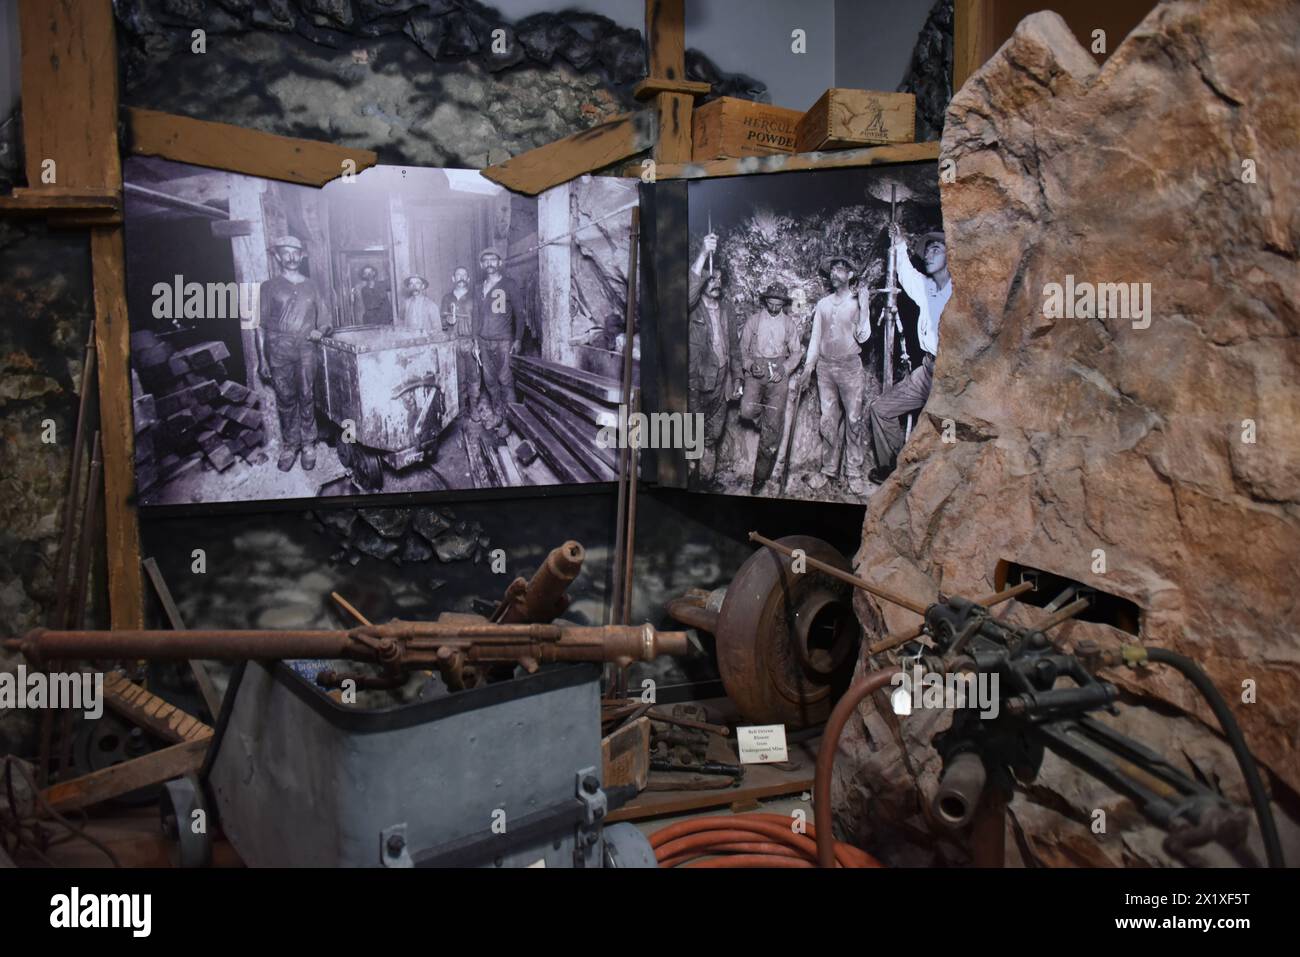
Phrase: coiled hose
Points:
(748, 840)
(1236, 740)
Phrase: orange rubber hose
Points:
(827, 846)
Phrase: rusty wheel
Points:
(785, 639)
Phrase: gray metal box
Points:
(300, 780)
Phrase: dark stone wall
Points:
(422, 83)
(929, 75)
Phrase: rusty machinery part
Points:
(543, 597)
(747, 840)
(785, 639)
(448, 646)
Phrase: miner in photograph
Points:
(293, 318)
(419, 312)
(458, 319)
(771, 352)
(841, 323)
(368, 302)
(714, 353)
(502, 319)
(930, 291)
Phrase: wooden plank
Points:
(151, 712)
(575, 434)
(69, 87)
(602, 145)
(625, 755)
(240, 150)
(658, 803)
(111, 782)
(59, 199)
(793, 162)
(557, 458)
(598, 387)
(665, 34)
(652, 86)
(112, 344)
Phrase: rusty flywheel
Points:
(785, 639)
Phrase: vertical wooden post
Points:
(113, 345)
(665, 32)
(69, 76)
(69, 93)
(972, 38)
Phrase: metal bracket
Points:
(595, 805)
(393, 848)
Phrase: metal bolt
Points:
(591, 784)
(395, 844)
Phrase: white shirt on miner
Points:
(927, 295)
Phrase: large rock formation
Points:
(1172, 446)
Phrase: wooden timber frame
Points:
(73, 163)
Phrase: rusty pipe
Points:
(42, 644)
(691, 610)
(988, 601)
(884, 594)
(544, 596)
(398, 642)
(1069, 611)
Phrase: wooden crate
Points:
(844, 117)
(729, 128)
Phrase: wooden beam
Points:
(665, 36)
(69, 87)
(652, 86)
(665, 33)
(211, 697)
(112, 344)
(63, 199)
(973, 41)
(793, 162)
(674, 111)
(108, 783)
(240, 150)
(151, 712)
(558, 162)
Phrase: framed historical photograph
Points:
(813, 305)
(401, 330)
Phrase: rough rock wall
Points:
(1077, 434)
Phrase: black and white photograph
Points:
(399, 330)
(815, 305)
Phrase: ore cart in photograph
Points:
(393, 390)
